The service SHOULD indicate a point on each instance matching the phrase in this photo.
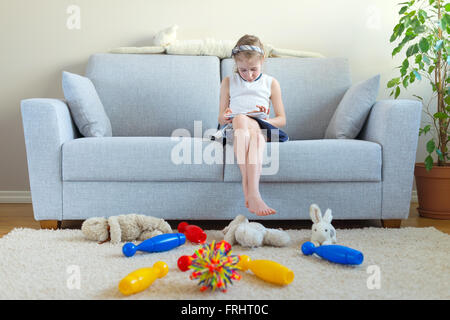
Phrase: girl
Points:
(249, 90)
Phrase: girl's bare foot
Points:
(257, 206)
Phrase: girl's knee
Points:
(240, 121)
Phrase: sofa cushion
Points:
(152, 95)
(314, 160)
(85, 106)
(352, 111)
(311, 89)
(142, 159)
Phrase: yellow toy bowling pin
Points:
(141, 279)
(267, 270)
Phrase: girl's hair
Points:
(248, 40)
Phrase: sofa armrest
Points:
(47, 124)
(394, 124)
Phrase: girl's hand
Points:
(224, 119)
(262, 109)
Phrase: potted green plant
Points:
(423, 31)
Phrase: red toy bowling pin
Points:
(192, 232)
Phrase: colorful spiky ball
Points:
(214, 266)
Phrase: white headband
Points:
(246, 48)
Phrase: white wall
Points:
(36, 45)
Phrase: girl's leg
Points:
(240, 145)
(254, 168)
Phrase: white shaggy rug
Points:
(407, 263)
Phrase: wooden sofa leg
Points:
(50, 224)
(393, 223)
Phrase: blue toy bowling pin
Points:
(163, 242)
(334, 253)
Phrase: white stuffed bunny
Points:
(322, 232)
(166, 37)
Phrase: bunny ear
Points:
(328, 217)
(315, 213)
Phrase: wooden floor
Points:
(20, 215)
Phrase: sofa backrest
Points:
(152, 95)
(311, 89)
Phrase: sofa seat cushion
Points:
(142, 159)
(314, 160)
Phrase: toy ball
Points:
(214, 266)
(185, 261)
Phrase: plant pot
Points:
(433, 191)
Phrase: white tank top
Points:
(245, 96)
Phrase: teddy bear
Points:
(165, 41)
(126, 227)
(253, 234)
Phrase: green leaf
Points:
(397, 50)
(405, 64)
(403, 10)
(428, 163)
(403, 71)
(410, 51)
(419, 28)
(447, 7)
(431, 146)
(425, 129)
(418, 58)
(440, 115)
(412, 77)
(393, 82)
(424, 45)
(444, 22)
(447, 100)
(397, 92)
(405, 82)
(394, 36)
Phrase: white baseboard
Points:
(15, 197)
(25, 196)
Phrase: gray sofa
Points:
(139, 170)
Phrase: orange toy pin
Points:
(141, 279)
(267, 270)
